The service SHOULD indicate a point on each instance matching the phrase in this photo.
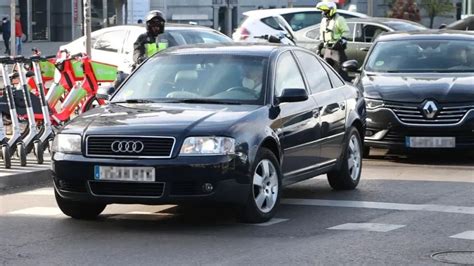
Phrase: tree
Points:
(436, 8)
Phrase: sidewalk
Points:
(46, 48)
(32, 174)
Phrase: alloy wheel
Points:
(265, 186)
(354, 160)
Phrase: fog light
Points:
(207, 187)
(369, 133)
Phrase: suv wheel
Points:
(79, 210)
(264, 196)
(347, 175)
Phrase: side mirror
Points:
(274, 39)
(104, 94)
(293, 95)
(351, 66)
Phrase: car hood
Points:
(159, 119)
(417, 88)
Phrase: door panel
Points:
(300, 125)
(108, 47)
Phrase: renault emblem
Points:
(430, 109)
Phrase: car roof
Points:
(171, 26)
(246, 49)
(261, 13)
(426, 34)
(383, 21)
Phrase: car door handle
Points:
(364, 49)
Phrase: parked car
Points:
(188, 126)
(362, 33)
(114, 45)
(419, 90)
(463, 24)
(265, 21)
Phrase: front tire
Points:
(39, 152)
(264, 196)
(79, 210)
(7, 163)
(21, 150)
(347, 176)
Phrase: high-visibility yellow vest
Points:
(153, 48)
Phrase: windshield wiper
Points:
(211, 101)
(136, 101)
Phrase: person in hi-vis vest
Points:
(147, 44)
(332, 29)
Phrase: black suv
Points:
(230, 124)
(419, 90)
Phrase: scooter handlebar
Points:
(41, 58)
(20, 59)
(6, 60)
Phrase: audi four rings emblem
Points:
(127, 146)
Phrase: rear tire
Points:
(347, 176)
(21, 150)
(265, 187)
(79, 210)
(38, 149)
(7, 163)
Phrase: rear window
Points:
(401, 26)
(301, 20)
(183, 37)
(271, 22)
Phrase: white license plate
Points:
(431, 142)
(118, 173)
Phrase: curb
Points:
(24, 179)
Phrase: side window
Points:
(350, 35)
(287, 74)
(371, 32)
(315, 73)
(313, 34)
(111, 41)
(302, 20)
(359, 34)
(271, 22)
(335, 79)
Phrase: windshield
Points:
(417, 56)
(195, 78)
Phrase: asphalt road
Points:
(405, 210)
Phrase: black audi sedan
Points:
(229, 124)
(419, 90)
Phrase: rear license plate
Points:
(431, 142)
(118, 173)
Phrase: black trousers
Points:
(6, 41)
(335, 58)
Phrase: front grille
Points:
(413, 113)
(127, 189)
(153, 147)
(71, 185)
(462, 138)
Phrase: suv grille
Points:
(413, 113)
(127, 189)
(148, 147)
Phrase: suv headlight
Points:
(373, 104)
(67, 143)
(208, 146)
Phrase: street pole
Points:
(105, 14)
(12, 28)
(370, 8)
(290, 3)
(87, 25)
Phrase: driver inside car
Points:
(252, 78)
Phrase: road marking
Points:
(37, 211)
(272, 222)
(469, 235)
(368, 227)
(381, 205)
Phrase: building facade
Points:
(62, 20)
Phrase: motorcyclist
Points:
(146, 44)
(333, 28)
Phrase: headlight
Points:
(67, 143)
(373, 104)
(208, 146)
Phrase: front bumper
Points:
(386, 130)
(178, 180)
